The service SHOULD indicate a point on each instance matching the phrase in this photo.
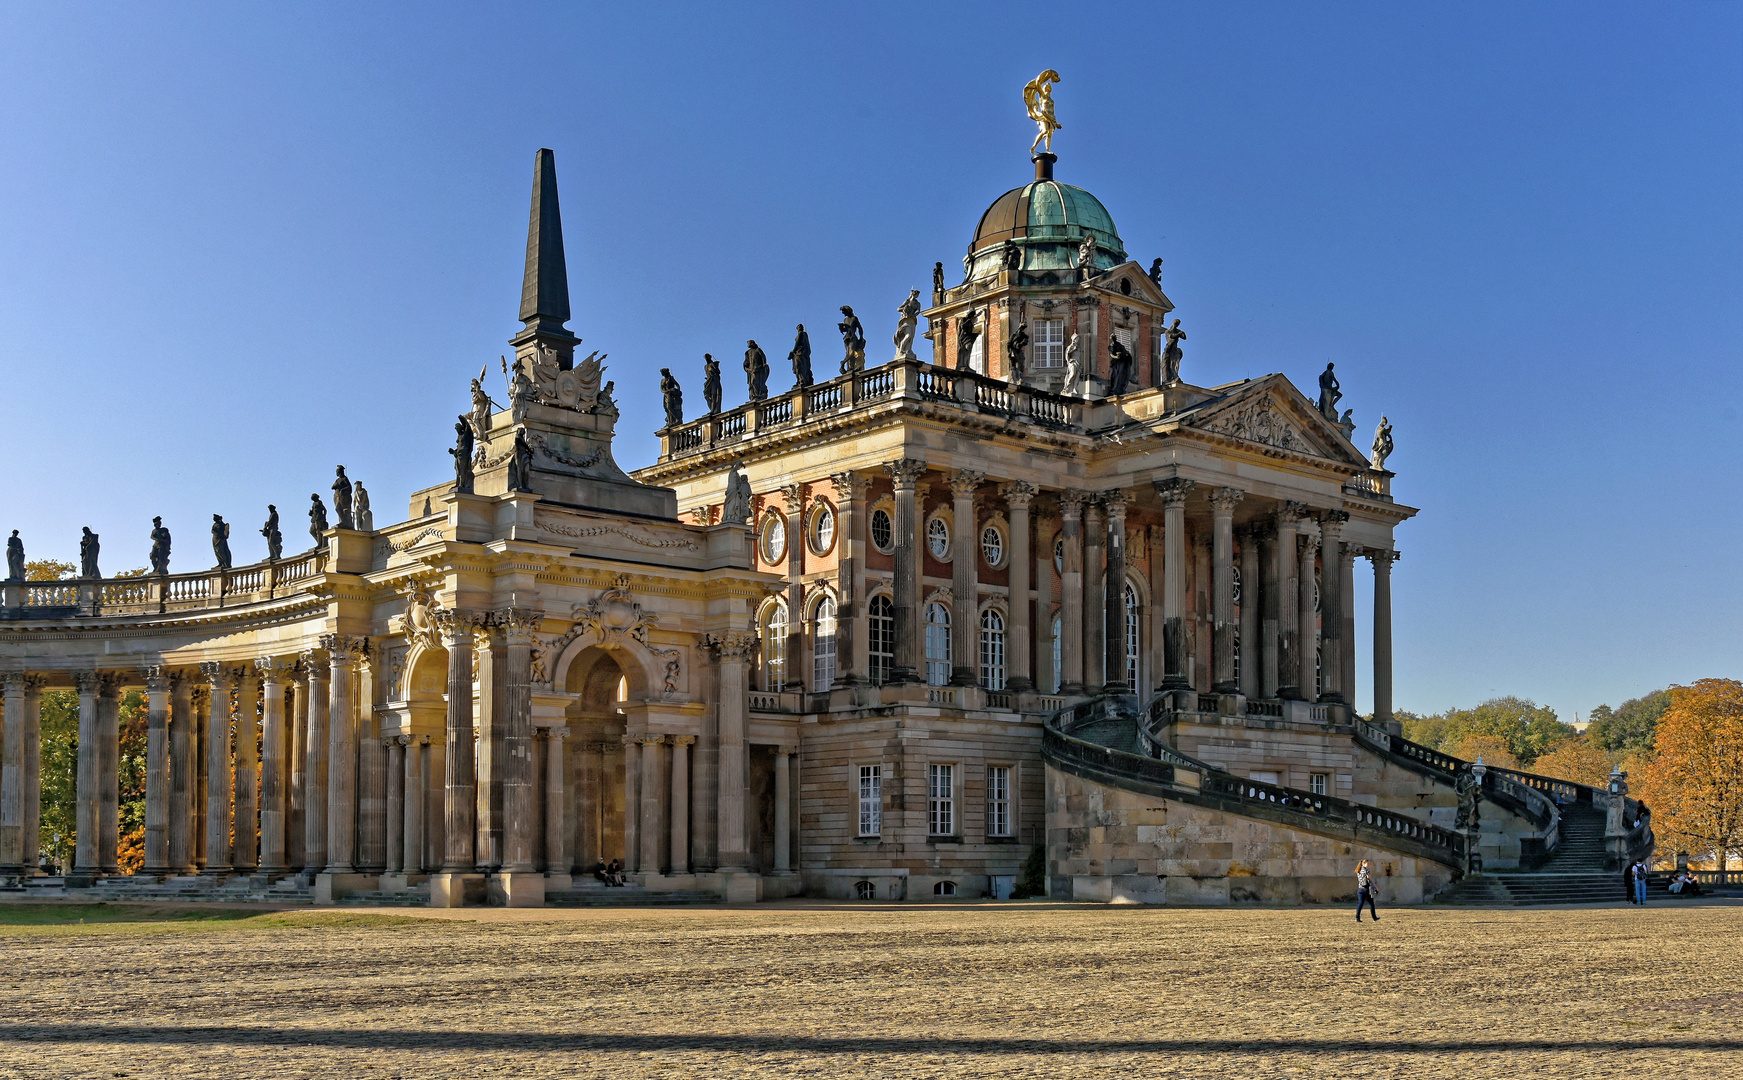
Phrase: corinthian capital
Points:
(848, 486)
(1174, 491)
(904, 472)
(732, 645)
(794, 496)
(1223, 499)
(1383, 557)
(964, 482)
(344, 648)
(1290, 512)
(219, 674)
(1114, 502)
(1018, 493)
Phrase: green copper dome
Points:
(1047, 220)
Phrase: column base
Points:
(517, 889)
(452, 890)
(82, 879)
(559, 882)
(329, 886)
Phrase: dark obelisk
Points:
(544, 297)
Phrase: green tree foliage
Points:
(1033, 880)
(1527, 728)
(131, 850)
(60, 770)
(1630, 727)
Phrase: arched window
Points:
(938, 538)
(865, 890)
(1237, 578)
(882, 638)
(1134, 628)
(937, 644)
(1318, 672)
(775, 648)
(1058, 675)
(992, 650)
(883, 530)
(1059, 553)
(947, 888)
(823, 646)
(992, 547)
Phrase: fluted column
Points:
(343, 651)
(904, 474)
(372, 816)
(734, 650)
(31, 769)
(223, 684)
(157, 779)
(1383, 561)
(1114, 503)
(1174, 492)
(964, 581)
(1292, 677)
(395, 747)
(12, 778)
(783, 809)
(1095, 598)
(852, 641)
(460, 821)
(589, 805)
(1252, 662)
(680, 828)
(416, 754)
(244, 852)
(1071, 592)
(1331, 605)
(1347, 629)
(183, 773)
(315, 671)
(556, 770)
(1020, 641)
(649, 831)
(87, 801)
(521, 812)
(1222, 603)
(632, 802)
(296, 794)
(274, 739)
(1310, 603)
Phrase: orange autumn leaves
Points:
(1694, 784)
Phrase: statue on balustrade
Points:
(479, 417)
(14, 558)
(853, 340)
(317, 520)
(159, 547)
(274, 538)
(1073, 367)
(756, 371)
(342, 500)
(1382, 443)
(1156, 273)
(462, 452)
(800, 357)
(735, 508)
(907, 322)
(711, 382)
(365, 517)
(966, 333)
(1172, 354)
(88, 548)
(1016, 354)
(520, 464)
(937, 283)
(672, 396)
(221, 541)
(1121, 364)
(1329, 394)
(1086, 257)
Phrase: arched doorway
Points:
(595, 782)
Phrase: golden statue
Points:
(1038, 96)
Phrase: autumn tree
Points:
(1525, 727)
(1580, 760)
(48, 570)
(1694, 785)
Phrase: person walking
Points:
(1640, 882)
(1365, 891)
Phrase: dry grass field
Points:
(848, 991)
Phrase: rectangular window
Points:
(998, 800)
(1319, 783)
(977, 355)
(871, 800)
(1048, 348)
(1129, 338)
(941, 800)
(882, 639)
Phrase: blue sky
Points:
(241, 244)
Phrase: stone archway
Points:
(598, 683)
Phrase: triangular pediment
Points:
(1143, 289)
(1272, 412)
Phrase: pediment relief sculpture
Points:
(1262, 422)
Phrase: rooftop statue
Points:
(756, 371)
(1172, 354)
(907, 321)
(1382, 443)
(1038, 98)
(1016, 354)
(673, 397)
(88, 549)
(711, 382)
(520, 463)
(479, 417)
(342, 499)
(1156, 273)
(521, 390)
(1348, 423)
(735, 508)
(317, 519)
(966, 333)
(1121, 363)
(1329, 394)
(1073, 367)
(588, 375)
(221, 541)
(1086, 257)
(274, 538)
(365, 517)
(1012, 256)
(14, 558)
(938, 283)
(462, 452)
(852, 341)
(159, 547)
(800, 357)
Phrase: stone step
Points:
(629, 896)
(395, 898)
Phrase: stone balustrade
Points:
(160, 594)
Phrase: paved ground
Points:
(847, 991)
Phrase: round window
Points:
(938, 538)
(883, 530)
(774, 537)
(992, 546)
(822, 529)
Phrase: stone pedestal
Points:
(513, 889)
(329, 887)
(452, 890)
